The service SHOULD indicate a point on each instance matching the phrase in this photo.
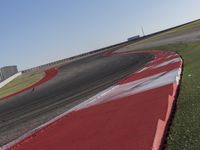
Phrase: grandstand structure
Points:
(8, 71)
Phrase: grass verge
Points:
(185, 130)
(188, 27)
(20, 83)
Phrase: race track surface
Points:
(133, 114)
(74, 83)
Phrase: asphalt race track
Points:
(74, 83)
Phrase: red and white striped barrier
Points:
(133, 114)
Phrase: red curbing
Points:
(132, 115)
(49, 74)
(162, 124)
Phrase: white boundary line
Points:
(5, 82)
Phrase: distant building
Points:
(133, 38)
(6, 72)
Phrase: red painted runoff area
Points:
(132, 115)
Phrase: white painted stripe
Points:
(131, 88)
(5, 82)
(168, 62)
(153, 66)
(143, 69)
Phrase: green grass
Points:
(185, 130)
(20, 83)
(187, 27)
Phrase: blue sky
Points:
(35, 32)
